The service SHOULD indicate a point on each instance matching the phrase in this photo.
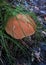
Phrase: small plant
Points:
(11, 46)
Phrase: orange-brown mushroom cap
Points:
(20, 26)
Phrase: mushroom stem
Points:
(25, 44)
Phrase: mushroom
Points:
(20, 26)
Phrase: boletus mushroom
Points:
(20, 26)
